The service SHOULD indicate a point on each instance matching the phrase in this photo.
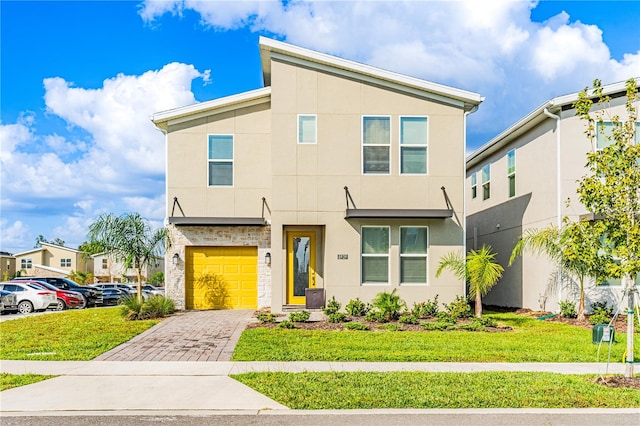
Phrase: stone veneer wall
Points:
(204, 236)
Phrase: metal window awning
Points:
(353, 212)
(398, 213)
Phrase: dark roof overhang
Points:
(217, 221)
(398, 213)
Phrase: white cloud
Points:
(122, 156)
(487, 46)
(13, 234)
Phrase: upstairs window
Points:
(307, 130)
(25, 263)
(474, 185)
(220, 160)
(413, 145)
(376, 145)
(486, 182)
(604, 134)
(375, 254)
(413, 254)
(65, 263)
(511, 172)
(104, 264)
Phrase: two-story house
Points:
(526, 178)
(109, 270)
(336, 179)
(52, 259)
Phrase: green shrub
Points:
(356, 326)
(392, 326)
(458, 308)
(485, 322)
(408, 318)
(375, 315)
(131, 308)
(426, 309)
(332, 307)
(568, 309)
(357, 308)
(158, 306)
(601, 313)
(390, 304)
(438, 325)
(473, 326)
(287, 324)
(337, 317)
(266, 317)
(299, 316)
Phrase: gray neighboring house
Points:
(336, 179)
(526, 178)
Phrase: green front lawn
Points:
(360, 390)
(75, 335)
(8, 381)
(530, 341)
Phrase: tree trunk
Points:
(630, 289)
(581, 302)
(478, 305)
(139, 273)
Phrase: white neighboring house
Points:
(106, 269)
(526, 178)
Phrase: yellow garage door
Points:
(221, 278)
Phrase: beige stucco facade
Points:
(55, 259)
(107, 269)
(303, 184)
(550, 155)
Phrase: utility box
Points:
(604, 333)
(315, 298)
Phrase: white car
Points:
(31, 297)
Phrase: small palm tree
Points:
(479, 270)
(574, 247)
(128, 238)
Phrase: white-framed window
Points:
(220, 160)
(375, 254)
(105, 264)
(604, 134)
(474, 185)
(65, 263)
(376, 144)
(511, 172)
(414, 248)
(25, 263)
(414, 138)
(486, 181)
(307, 128)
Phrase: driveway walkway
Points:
(186, 336)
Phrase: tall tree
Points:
(129, 239)
(575, 248)
(611, 190)
(479, 270)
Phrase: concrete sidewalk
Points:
(150, 386)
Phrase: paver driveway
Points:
(186, 336)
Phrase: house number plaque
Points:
(343, 256)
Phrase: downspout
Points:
(464, 186)
(558, 189)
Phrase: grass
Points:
(362, 390)
(74, 335)
(530, 341)
(8, 381)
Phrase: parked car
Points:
(92, 295)
(65, 298)
(8, 302)
(131, 289)
(31, 297)
(153, 289)
(113, 296)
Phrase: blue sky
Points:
(79, 80)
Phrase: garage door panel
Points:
(221, 277)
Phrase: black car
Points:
(113, 296)
(92, 295)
